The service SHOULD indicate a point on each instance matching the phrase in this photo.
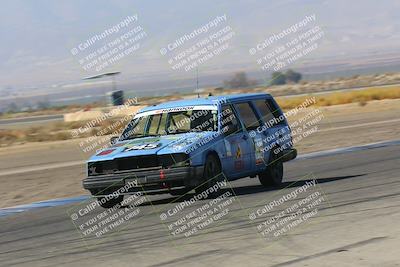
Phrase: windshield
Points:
(166, 123)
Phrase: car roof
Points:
(201, 101)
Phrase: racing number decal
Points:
(238, 152)
(141, 147)
(239, 162)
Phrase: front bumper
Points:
(149, 180)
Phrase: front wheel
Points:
(211, 175)
(111, 202)
(273, 175)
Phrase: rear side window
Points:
(274, 108)
(264, 109)
(249, 118)
(269, 112)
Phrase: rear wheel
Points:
(211, 174)
(111, 202)
(273, 175)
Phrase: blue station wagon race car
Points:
(179, 146)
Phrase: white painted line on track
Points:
(347, 149)
(42, 167)
(358, 125)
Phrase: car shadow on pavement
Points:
(169, 199)
(252, 189)
(245, 190)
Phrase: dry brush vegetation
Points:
(339, 98)
(62, 130)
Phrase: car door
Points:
(237, 158)
(273, 130)
(252, 122)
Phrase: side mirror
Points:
(114, 139)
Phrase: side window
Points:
(265, 110)
(248, 116)
(229, 120)
(203, 121)
(276, 111)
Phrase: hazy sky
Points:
(38, 35)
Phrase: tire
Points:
(273, 175)
(212, 169)
(112, 202)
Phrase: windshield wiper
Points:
(141, 135)
(133, 137)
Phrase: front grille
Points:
(139, 162)
(102, 167)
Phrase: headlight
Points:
(183, 143)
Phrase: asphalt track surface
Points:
(356, 224)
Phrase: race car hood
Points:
(166, 144)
